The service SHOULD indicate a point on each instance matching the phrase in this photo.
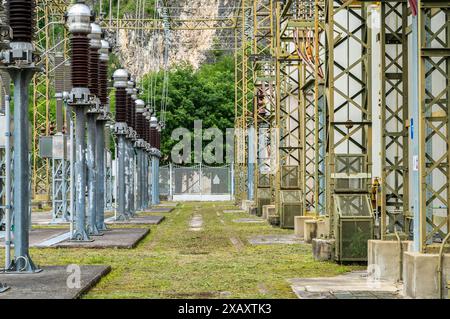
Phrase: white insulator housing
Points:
(95, 36)
(120, 78)
(104, 51)
(79, 18)
(140, 106)
(153, 122)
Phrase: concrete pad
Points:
(247, 204)
(37, 236)
(45, 218)
(249, 221)
(274, 240)
(51, 283)
(233, 211)
(159, 210)
(172, 205)
(357, 281)
(196, 223)
(138, 220)
(420, 275)
(299, 225)
(383, 258)
(323, 249)
(126, 238)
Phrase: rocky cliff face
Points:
(142, 52)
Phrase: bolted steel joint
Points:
(121, 129)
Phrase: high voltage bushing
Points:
(21, 19)
(95, 45)
(18, 59)
(103, 73)
(120, 84)
(79, 24)
(140, 147)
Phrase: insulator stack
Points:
(153, 132)
(128, 109)
(59, 73)
(103, 73)
(80, 61)
(103, 86)
(95, 45)
(93, 71)
(147, 128)
(139, 115)
(21, 17)
(121, 105)
(158, 139)
(67, 77)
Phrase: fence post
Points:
(232, 180)
(170, 181)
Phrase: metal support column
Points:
(22, 260)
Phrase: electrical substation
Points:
(337, 177)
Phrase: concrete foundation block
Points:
(274, 220)
(247, 205)
(323, 249)
(268, 210)
(310, 231)
(299, 225)
(323, 228)
(420, 276)
(383, 258)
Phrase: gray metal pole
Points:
(100, 160)
(92, 173)
(121, 176)
(22, 262)
(127, 166)
(138, 180)
(80, 233)
(8, 183)
(415, 109)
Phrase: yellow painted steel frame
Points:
(243, 98)
(348, 89)
(264, 88)
(288, 96)
(434, 130)
(394, 117)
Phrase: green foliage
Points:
(205, 94)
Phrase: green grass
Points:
(174, 262)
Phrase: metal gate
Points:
(197, 182)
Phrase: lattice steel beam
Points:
(348, 90)
(288, 110)
(49, 15)
(394, 118)
(264, 98)
(434, 130)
